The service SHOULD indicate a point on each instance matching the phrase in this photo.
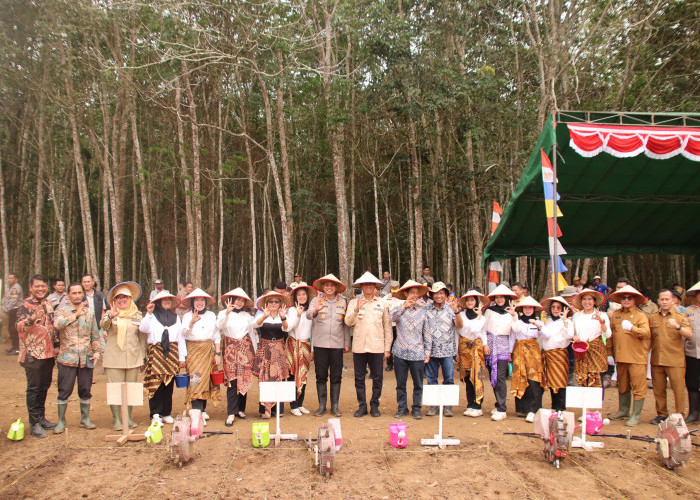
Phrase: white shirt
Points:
(151, 326)
(525, 331)
(204, 329)
(472, 328)
(299, 327)
(557, 335)
(236, 326)
(500, 324)
(588, 328)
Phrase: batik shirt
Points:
(412, 333)
(79, 337)
(35, 339)
(443, 337)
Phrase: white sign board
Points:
(436, 395)
(273, 392)
(584, 397)
(134, 393)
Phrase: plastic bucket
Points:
(217, 377)
(397, 435)
(182, 380)
(580, 349)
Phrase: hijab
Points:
(500, 309)
(123, 321)
(167, 318)
(526, 318)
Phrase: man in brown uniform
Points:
(668, 329)
(630, 331)
(331, 338)
(372, 337)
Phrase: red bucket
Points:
(580, 349)
(217, 377)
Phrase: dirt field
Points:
(487, 463)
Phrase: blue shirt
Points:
(601, 288)
(412, 334)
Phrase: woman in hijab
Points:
(126, 345)
(527, 359)
(559, 330)
(202, 350)
(239, 351)
(165, 340)
(471, 349)
(299, 353)
(271, 358)
(499, 325)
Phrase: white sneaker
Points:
(296, 411)
(205, 415)
(168, 420)
(530, 417)
(303, 410)
(157, 418)
(495, 410)
(204, 423)
(476, 413)
(468, 412)
(498, 416)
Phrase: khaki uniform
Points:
(667, 360)
(328, 328)
(371, 326)
(122, 365)
(631, 351)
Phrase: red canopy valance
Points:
(624, 141)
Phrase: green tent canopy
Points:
(629, 183)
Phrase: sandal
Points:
(241, 414)
(229, 421)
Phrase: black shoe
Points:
(417, 414)
(374, 411)
(46, 424)
(401, 413)
(361, 412)
(432, 411)
(389, 368)
(658, 420)
(37, 431)
(12, 351)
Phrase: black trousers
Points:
(558, 399)
(39, 373)
(235, 402)
(300, 396)
(199, 404)
(375, 361)
(501, 389)
(66, 381)
(328, 359)
(471, 394)
(162, 401)
(390, 361)
(531, 400)
(692, 373)
(12, 328)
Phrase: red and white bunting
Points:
(624, 141)
(495, 217)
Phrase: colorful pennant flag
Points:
(550, 228)
(495, 217)
(552, 207)
(549, 206)
(554, 243)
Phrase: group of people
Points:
(419, 328)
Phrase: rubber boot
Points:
(85, 415)
(322, 391)
(116, 417)
(132, 424)
(625, 402)
(335, 396)
(693, 407)
(61, 424)
(636, 413)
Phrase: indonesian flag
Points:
(495, 217)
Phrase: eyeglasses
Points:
(627, 297)
(274, 301)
